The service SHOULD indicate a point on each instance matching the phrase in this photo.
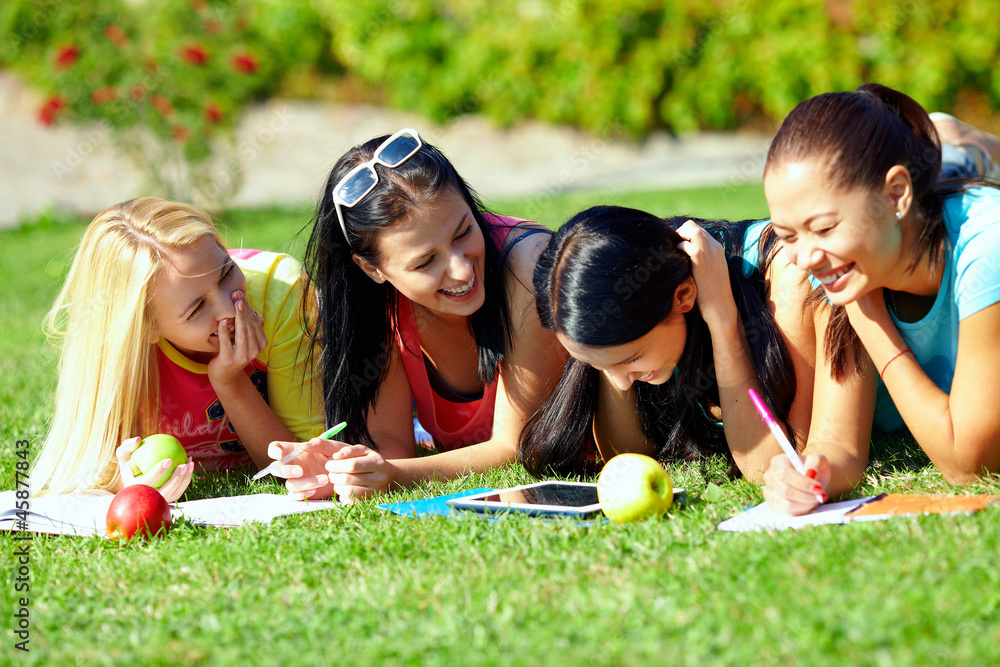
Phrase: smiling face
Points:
(848, 238)
(434, 257)
(650, 358)
(192, 295)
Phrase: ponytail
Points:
(859, 136)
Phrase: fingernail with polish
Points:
(811, 473)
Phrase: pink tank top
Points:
(453, 425)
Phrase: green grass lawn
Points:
(359, 586)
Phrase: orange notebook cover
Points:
(898, 504)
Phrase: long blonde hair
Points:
(108, 387)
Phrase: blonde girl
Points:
(158, 335)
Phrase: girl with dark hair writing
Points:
(908, 262)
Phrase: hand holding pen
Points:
(298, 451)
(791, 485)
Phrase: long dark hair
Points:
(608, 277)
(357, 316)
(859, 136)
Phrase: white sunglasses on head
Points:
(361, 180)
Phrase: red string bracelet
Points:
(898, 355)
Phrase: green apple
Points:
(633, 487)
(154, 449)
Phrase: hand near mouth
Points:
(869, 317)
(240, 341)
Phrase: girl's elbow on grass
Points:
(969, 468)
(970, 459)
(753, 469)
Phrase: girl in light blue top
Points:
(910, 264)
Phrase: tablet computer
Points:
(571, 499)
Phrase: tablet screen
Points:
(559, 495)
(575, 499)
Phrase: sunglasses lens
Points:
(357, 186)
(395, 153)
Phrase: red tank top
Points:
(452, 424)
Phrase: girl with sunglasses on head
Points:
(159, 334)
(909, 263)
(669, 322)
(426, 300)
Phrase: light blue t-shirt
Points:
(971, 282)
(751, 249)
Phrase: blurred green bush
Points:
(634, 65)
(620, 68)
(165, 80)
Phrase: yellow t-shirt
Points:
(189, 407)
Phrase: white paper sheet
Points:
(85, 513)
(762, 518)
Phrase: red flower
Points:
(194, 54)
(102, 95)
(245, 63)
(67, 55)
(137, 93)
(179, 133)
(199, 6)
(163, 105)
(116, 35)
(213, 114)
(52, 108)
(212, 26)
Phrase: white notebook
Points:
(762, 518)
(85, 513)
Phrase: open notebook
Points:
(873, 508)
(85, 513)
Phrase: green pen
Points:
(288, 457)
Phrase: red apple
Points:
(138, 510)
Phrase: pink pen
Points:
(779, 435)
